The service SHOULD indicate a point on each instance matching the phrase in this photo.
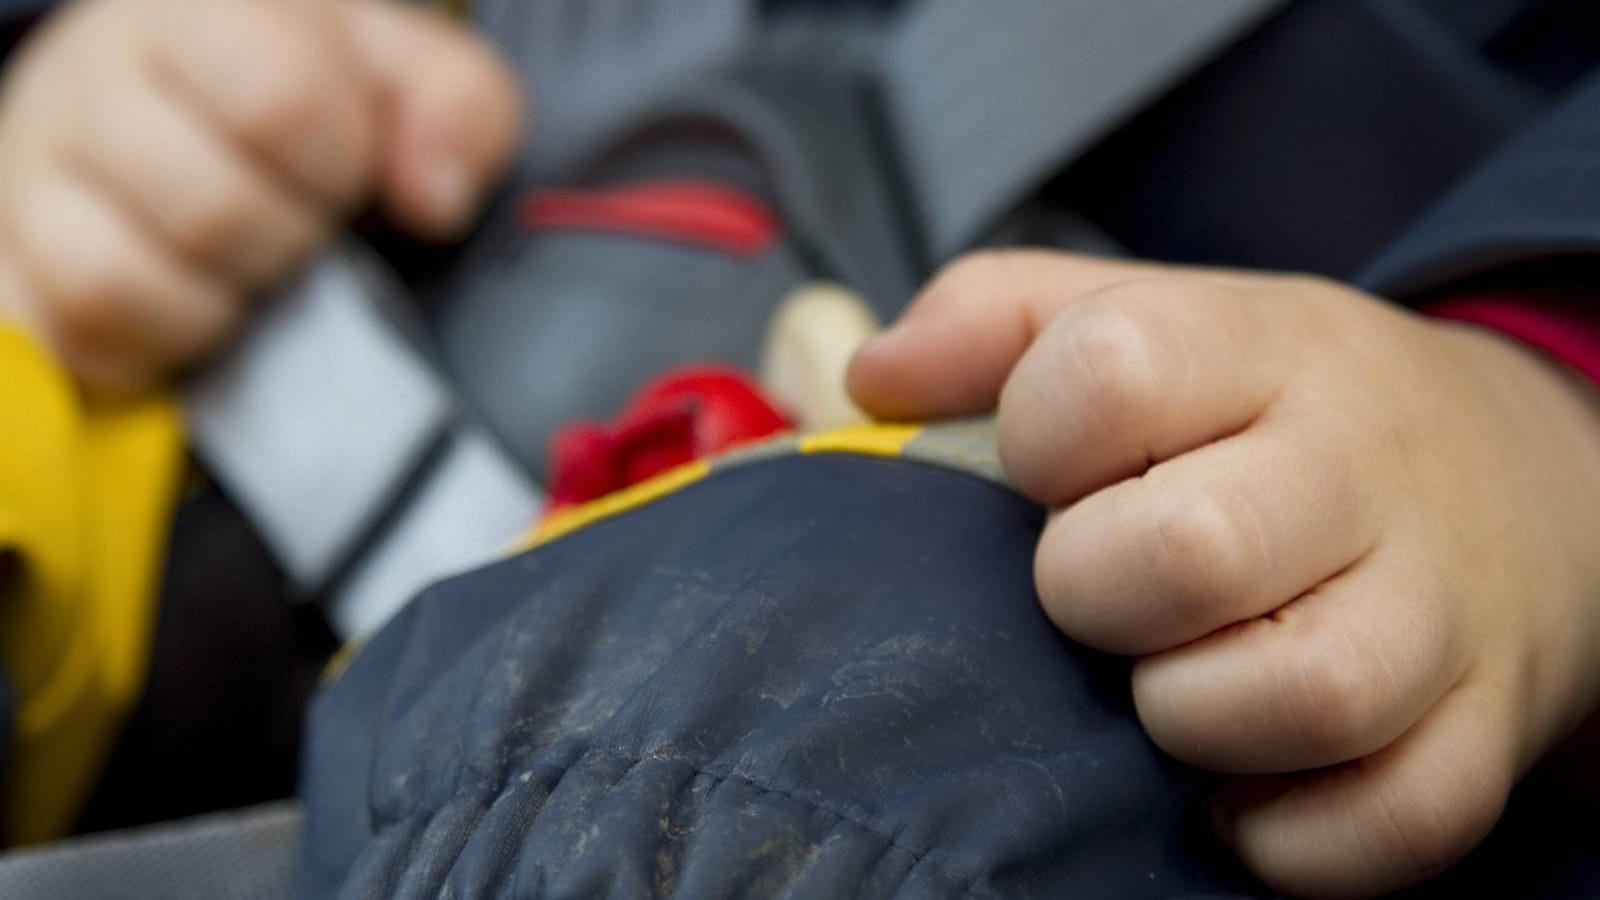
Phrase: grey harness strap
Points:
(348, 453)
(986, 101)
(246, 854)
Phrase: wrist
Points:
(1550, 410)
(1558, 323)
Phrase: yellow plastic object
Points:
(86, 496)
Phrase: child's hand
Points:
(1345, 542)
(162, 161)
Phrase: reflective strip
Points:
(315, 422)
(472, 503)
(348, 453)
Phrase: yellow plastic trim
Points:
(569, 520)
(868, 440)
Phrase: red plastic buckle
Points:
(685, 415)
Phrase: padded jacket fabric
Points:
(811, 676)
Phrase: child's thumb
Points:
(952, 350)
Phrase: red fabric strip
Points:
(697, 212)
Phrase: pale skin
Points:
(162, 162)
(1336, 536)
(1351, 548)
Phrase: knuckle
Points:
(282, 95)
(481, 85)
(79, 283)
(1169, 290)
(87, 298)
(214, 228)
(286, 109)
(977, 270)
(1310, 284)
(1053, 575)
(1433, 821)
(1202, 551)
(293, 244)
(1176, 725)
(245, 239)
(1336, 703)
(211, 315)
(970, 278)
(1108, 357)
(1031, 448)
(84, 317)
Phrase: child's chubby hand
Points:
(164, 161)
(1353, 549)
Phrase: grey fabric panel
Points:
(569, 324)
(834, 177)
(589, 65)
(317, 419)
(982, 112)
(473, 502)
(246, 854)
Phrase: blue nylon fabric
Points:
(1538, 198)
(1309, 146)
(811, 677)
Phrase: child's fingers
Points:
(1132, 375)
(951, 351)
(280, 78)
(210, 203)
(453, 113)
(1401, 815)
(123, 309)
(1333, 676)
(1225, 533)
